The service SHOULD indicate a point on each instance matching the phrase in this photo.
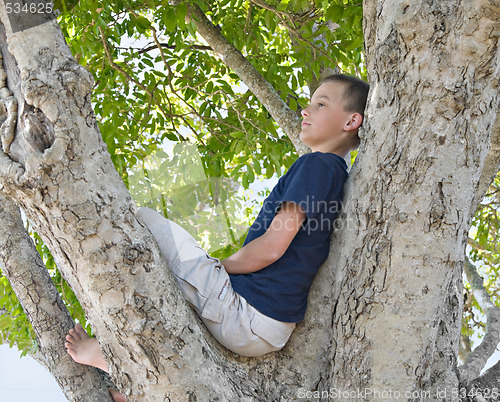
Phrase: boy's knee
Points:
(148, 215)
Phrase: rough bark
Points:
(491, 164)
(30, 280)
(465, 348)
(433, 68)
(487, 385)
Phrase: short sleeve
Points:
(313, 185)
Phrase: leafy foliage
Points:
(159, 87)
(14, 325)
(157, 80)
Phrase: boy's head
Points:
(336, 112)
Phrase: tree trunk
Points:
(385, 309)
(433, 69)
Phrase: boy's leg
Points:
(207, 287)
(198, 274)
(176, 244)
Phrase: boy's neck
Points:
(341, 151)
(339, 145)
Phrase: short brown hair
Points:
(354, 97)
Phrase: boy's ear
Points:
(354, 122)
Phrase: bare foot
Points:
(84, 349)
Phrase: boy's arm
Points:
(269, 247)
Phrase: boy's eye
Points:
(321, 104)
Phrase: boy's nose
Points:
(305, 112)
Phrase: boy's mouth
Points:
(305, 124)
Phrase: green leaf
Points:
(181, 12)
(282, 5)
(270, 20)
(244, 180)
(334, 12)
(5, 322)
(170, 19)
(142, 22)
(256, 166)
(250, 174)
(269, 170)
(148, 62)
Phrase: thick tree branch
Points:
(260, 87)
(464, 348)
(490, 380)
(9, 169)
(476, 360)
(84, 214)
(491, 164)
(30, 280)
(411, 115)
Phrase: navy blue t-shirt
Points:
(315, 182)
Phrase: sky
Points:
(23, 379)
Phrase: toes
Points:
(75, 336)
(71, 338)
(80, 331)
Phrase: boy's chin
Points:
(303, 138)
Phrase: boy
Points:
(251, 301)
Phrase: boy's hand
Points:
(269, 247)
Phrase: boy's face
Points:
(325, 121)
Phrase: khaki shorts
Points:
(207, 287)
